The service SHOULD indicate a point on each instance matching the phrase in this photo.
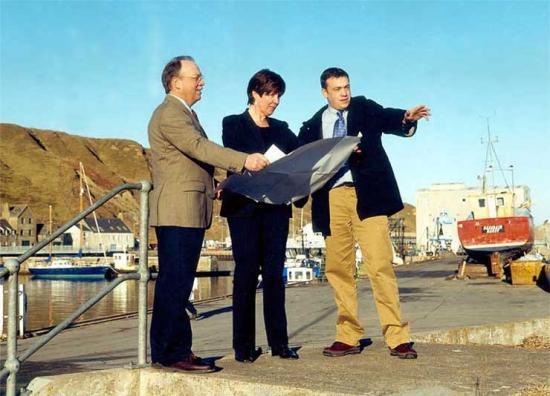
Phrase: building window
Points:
(481, 202)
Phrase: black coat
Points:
(375, 184)
(242, 134)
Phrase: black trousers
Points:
(179, 250)
(259, 245)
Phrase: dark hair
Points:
(172, 69)
(332, 72)
(265, 81)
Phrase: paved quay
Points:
(429, 302)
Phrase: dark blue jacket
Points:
(375, 184)
(242, 134)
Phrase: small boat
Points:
(301, 269)
(63, 268)
(295, 275)
(124, 262)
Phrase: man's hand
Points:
(217, 191)
(256, 162)
(417, 113)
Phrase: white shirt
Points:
(329, 117)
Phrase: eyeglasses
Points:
(198, 77)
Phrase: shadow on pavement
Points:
(217, 311)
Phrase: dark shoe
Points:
(191, 363)
(340, 349)
(247, 356)
(284, 352)
(404, 351)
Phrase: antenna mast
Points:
(491, 159)
(81, 206)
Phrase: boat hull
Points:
(508, 236)
(72, 272)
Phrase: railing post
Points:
(12, 364)
(143, 272)
(22, 309)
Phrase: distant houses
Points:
(8, 235)
(18, 225)
(107, 234)
(18, 228)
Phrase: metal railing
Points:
(12, 266)
(61, 249)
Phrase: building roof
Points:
(107, 225)
(5, 227)
(16, 210)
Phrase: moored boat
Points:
(67, 269)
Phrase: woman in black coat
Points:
(258, 231)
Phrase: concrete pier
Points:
(435, 307)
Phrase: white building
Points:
(441, 206)
(311, 240)
(113, 235)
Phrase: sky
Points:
(92, 68)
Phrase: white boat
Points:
(299, 275)
(124, 262)
(301, 269)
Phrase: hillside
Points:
(40, 168)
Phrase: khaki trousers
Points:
(372, 235)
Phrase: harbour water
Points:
(50, 301)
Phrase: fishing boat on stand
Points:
(500, 227)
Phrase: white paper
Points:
(274, 153)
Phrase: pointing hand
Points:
(418, 112)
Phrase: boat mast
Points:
(50, 232)
(84, 178)
(81, 207)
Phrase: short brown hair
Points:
(332, 72)
(172, 69)
(265, 81)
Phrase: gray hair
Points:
(172, 69)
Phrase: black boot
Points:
(284, 352)
(247, 355)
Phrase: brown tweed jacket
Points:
(183, 161)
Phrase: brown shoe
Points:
(340, 349)
(404, 351)
(191, 363)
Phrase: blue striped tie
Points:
(339, 126)
(340, 130)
